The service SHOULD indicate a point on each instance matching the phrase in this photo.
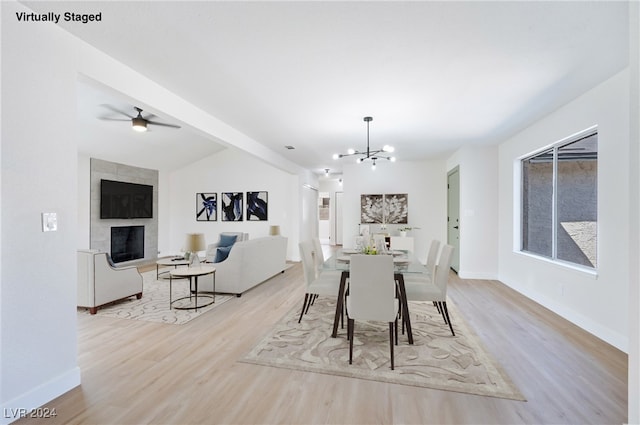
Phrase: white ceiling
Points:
(434, 75)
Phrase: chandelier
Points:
(372, 155)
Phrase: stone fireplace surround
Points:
(100, 234)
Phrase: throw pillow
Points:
(222, 253)
(227, 240)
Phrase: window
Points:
(560, 201)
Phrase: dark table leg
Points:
(339, 303)
(405, 306)
(196, 293)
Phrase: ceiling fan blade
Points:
(163, 124)
(111, 108)
(114, 119)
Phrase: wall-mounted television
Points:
(125, 200)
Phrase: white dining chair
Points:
(317, 283)
(434, 289)
(372, 296)
(318, 259)
(432, 255)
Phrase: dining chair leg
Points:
(350, 326)
(309, 302)
(391, 342)
(395, 331)
(437, 305)
(304, 307)
(446, 313)
(441, 310)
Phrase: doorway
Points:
(453, 215)
(338, 215)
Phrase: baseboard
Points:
(24, 404)
(619, 341)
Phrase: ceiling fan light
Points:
(139, 124)
(392, 159)
(336, 156)
(351, 151)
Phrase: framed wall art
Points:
(206, 206)
(396, 208)
(232, 206)
(384, 209)
(371, 209)
(257, 206)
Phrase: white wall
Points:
(597, 304)
(478, 211)
(228, 171)
(84, 202)
(634, 201)
(39, 174)
(425, 182)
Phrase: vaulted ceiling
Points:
(434, 75)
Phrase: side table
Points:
(168, 262)
(193, 272)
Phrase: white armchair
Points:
(100, 283)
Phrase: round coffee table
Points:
(175, 262)
(193, 272)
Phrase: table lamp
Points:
(193, 244)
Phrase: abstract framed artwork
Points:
(371, 209)
(384, 209)
(232, 206)
(257, 206)
(396, 208)
(206, 206)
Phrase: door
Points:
(338, 219)
(453, 216)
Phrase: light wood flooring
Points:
(136, 372)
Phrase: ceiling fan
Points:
(138, 123)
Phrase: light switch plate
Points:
(49, 222)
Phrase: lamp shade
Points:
(194, 242)
(274, 230)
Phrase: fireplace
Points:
(127, 243)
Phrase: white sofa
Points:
(249, 263)
(100, 283)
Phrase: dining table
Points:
(404, 263)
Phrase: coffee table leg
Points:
(196, 294)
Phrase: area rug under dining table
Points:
(436, 360)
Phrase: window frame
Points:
(519, 202)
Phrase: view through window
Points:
(560, 201)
